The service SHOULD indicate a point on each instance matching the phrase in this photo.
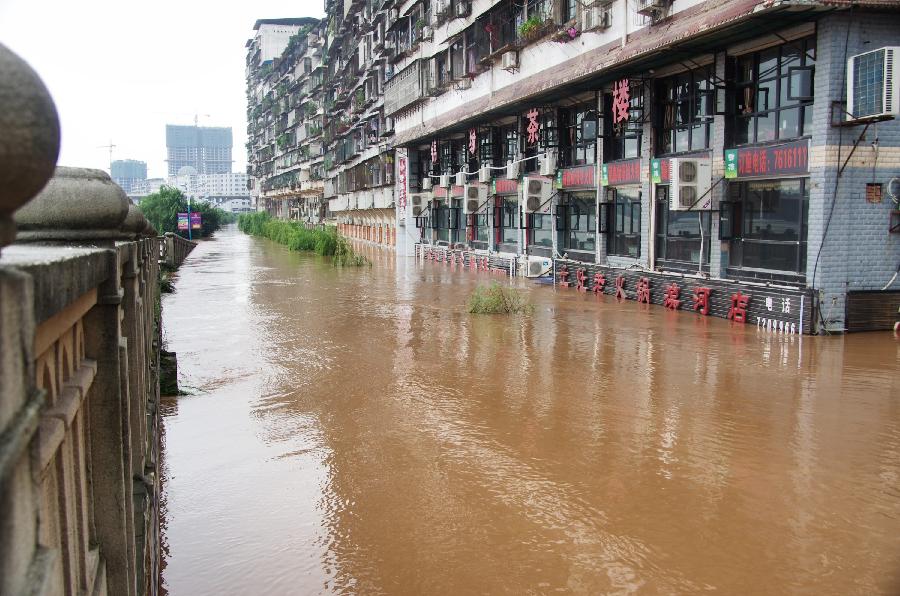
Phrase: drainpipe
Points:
(624, 22)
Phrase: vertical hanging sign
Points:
(620, 101)
(401, 184)
(533, 126)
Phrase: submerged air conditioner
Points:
(538, 267)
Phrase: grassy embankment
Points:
(327, 243)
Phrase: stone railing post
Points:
(29, 146)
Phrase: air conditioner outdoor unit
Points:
(393, 15)
(652, 8)
(538, 267)
(690, 185)
(510, 60)
(427, 33)
(548, 163)
(475, 197)
(462, 9)
(873, 83)
(484, 175)
(536, 198)
(418, 202)
(460, 179)
(512, 170)
(444, 180)
(426, 183)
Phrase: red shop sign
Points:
(505, 186)
(774, 160)
(627, 171)
(577, 177)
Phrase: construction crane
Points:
(110, 147)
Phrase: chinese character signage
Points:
(473, 142)
(196, 221)
(775, 160)
(580, 177)
(182, 221)
(620, 99)
(533, 126)
(401, 182)
(505, 186)
(619, 173)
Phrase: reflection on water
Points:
(357, 432)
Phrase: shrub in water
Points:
(497, 299)
(327, 242)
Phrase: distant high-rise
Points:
(128, 173)
(204, 148)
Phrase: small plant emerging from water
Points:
(496, 299)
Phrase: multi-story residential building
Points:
(206, 149)
(284, 113)
(702, 143)
(129, 174)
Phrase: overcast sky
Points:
(123, 70)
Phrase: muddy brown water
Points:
(356, 432)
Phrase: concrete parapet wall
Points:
(79, 419)
(175, 249)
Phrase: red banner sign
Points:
(623, 172)
(777, 160)
(439, 192)
(577, 177)
(505, 186)
(457, 191)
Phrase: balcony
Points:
(405, 89)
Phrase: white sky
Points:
(123, 70)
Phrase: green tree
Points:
(162, 209)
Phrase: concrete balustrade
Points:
(176, 249)
(79, 360)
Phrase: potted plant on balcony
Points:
(532, 28)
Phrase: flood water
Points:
(356, 432)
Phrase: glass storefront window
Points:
(766, 221)
(509, 221)
(625, 231)
(541, 231)
(580, 228)
(678, 235)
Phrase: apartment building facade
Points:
(703, 144)
(689, 143)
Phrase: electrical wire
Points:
(837, 182)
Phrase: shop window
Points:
(547, 137)
(625, 228)
(679, 239)
(774, 93)
(685, 110)
(766, 223)
(579, 223)
(445, 157)
(477, 225)
(540, 229)
(507, 218)
(490, 150)
(510, 143)
(578, 144)
(623, 139)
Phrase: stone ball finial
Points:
(78, 204)
(29, 138)
(135, 222)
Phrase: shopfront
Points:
(506, 215)
(576, 220)
(683, 238)
(620, 214)
(765, 216)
